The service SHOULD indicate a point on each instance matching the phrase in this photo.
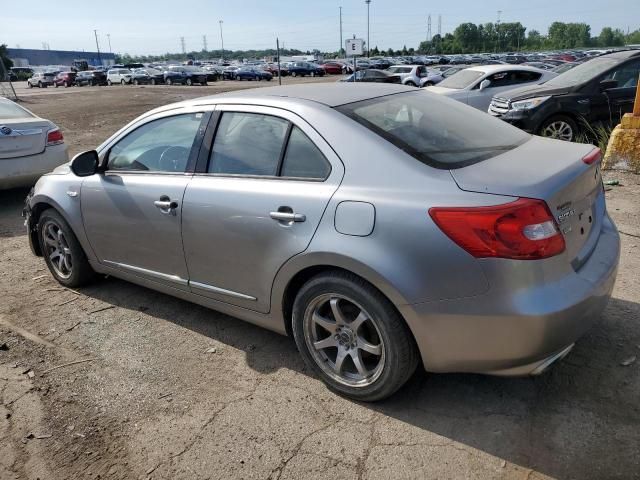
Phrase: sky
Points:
(155, 26)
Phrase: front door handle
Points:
(165, 205)
(288, 217)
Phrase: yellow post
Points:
(636, 105)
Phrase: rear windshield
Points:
(9, 109)
(461, 79)
(434, 129)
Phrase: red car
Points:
(334, 68)
(565, 57)
(64, 79)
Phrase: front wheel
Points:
(135, 82)
(559, 127)
(168, 82)
(109, 82)
(153, 81)
(410, 84)
(352, 337)
(62, 252)
(189, 82)
(122, 82)
(294, 74)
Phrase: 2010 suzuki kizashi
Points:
(378, 225)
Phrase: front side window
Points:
(435, 130)
(461, 79)
(162, 145)
(248, 144)
(626, 75)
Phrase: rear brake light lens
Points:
(594, 156)
(521, 230)
(54, 137)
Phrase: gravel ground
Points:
(164, 389)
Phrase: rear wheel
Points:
(62, 252)
(39, 84)
(294, 74)
(238, 78)
(109, 82)
(428, 84)
(168, 82)
(153, 81)
(189, 82)
(65, 84)
(135, 82)
(559, 127)
(410, 84)
(353, 337)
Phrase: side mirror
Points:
(608, 85)
(484, 84)
(85, 164)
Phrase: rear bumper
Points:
(521, 330)
(24, 171)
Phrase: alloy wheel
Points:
(559, 130)
(57, 249)
(344, 340)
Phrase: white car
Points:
(411, 75)
(476, 86)
(30, 146)
(119, 75)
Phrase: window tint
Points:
(303, 159)
(163, 145)
(435, 130)
(626, 75)
(248, 144)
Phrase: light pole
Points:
(109, 38)
(368, 2)
(221, 38)
(341, 47)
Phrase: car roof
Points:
(330, 94)
(504, 67)
(622, 55)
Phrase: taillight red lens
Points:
(520, 230)
(593, 156)
(54, 137)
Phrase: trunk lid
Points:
(23, 137)
(552, 171)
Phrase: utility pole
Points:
(109, 38)
(184, 50)
(368, 2)
(341, 47)
(204, 43)
(439, 31)
(95, 32)
(278, 53)
(221, 38)
(429, 28)
(498, 31)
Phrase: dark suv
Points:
(599, 91)
(302, 69)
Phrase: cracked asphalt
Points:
(170, 390)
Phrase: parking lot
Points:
(118, 381)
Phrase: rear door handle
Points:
(288, 217)
(166, 205)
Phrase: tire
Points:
(109, 83)
(294, 74)
(238, 78)
(189, 82)
(135, 82)
(313, 74)
(71, 269)
(410, 84)
(429, 84)
(390, 356)
(153, 81)
(560, 127)
(65, 84)
(122, 82)
(168, 82)
(55, 85)
(40, 85)
(204, 84)
(29, 85)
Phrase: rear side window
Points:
(435, 130)
(302, 158)
(248, 144)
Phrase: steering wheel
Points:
(174, 159)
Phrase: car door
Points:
(132, 212)
(610, 106)
(255, 202)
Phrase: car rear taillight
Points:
(521, 230)
(54, 137)
(592, 157)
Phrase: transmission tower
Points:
(429, 28)
(184, 50)
(204, 43)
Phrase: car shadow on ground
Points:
(11, 203)
(580, 419)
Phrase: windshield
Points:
(583, 73)
(9, 110)
(461, 79)
(434, 129)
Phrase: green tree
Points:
(535, 41)
(405, 51)
(611, 38)
(633, 38)
(4, 56)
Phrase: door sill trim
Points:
(151, 273)
(221, 291)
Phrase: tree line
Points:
(513, 36)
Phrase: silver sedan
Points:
(380, 226)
